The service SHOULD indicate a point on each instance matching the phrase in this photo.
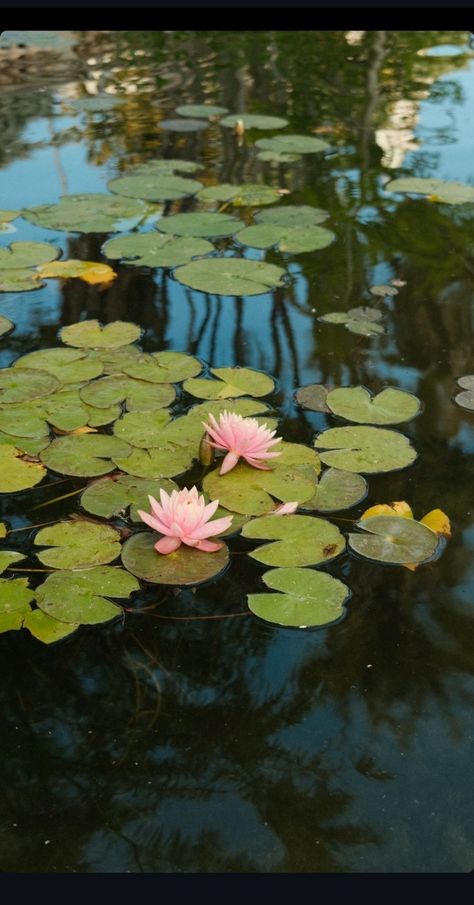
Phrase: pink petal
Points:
(153, 522)
(156, 509)
(229, 462)
(167, 545)
(207, 546)
(285, 508)
(212, 528)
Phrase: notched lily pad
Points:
(199, 225)
(80, 597)
(77, 544)
(144, 430)
(155, 250)
(7, 557)
(231, 382)
(390, 406)
(337, 490)
(163, 367)
(154, 187)
(313, 397)
(292, 216)
(254, 121)
(17, 386)
(47, 629)
(20, 281)
(394, 539)
(15, 595)
(299, 540)
(67, 365)
(293, 144)
(292, 240)
(167, 460)
(85, 455)
(20, 255)
(186, 566)
(89, 213)
(230, 276)
(308, 599)
(139, 395)
(362, 320)
(109, 497)
(437, 189)
(91, 334)
(466, 398)
(365, 449)
(15, 473)
(246, 195)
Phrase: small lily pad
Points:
(231, 382)
(466, 398)
(15, 473)
(361, 320)
(292, 216)
(83, 456)
(293, 144)
(5, 325)
(199, 225)
(299, 540)
(186, 566)
(201, 110)
(309, 599)
(383, 290)
(337, 490)
(292, 240)
(20, 281)
(163, 367)
(183, 125)
(91, 335)
(26, 254)
(437, 189)
(155, 250)
(67, 365)
(313, 397)
(254, 121)
(139, 395)
(89, 213)
(154, 188)
(80, 597)
(394, 539)
(7, 557)
(47, 629)
(108, 497)
(390, 406)
(18, 386)
(88, 271)
(230, 276)
(246, 195)
(77, 544)
(365, 449)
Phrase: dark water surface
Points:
(177, 743)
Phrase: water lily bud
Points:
(207, 452)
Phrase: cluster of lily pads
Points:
(101, 409)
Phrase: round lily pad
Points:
(199, 225)
(80, 597)
(17, 386)
(394, 539)
(5, 325)
(186, 566)
(254, 121)
(298, 540)
(108, 497)
(77, 544)
(231, 382)
(23, 421)
(155, 250)
(292, 240)
(20, 281)
(230, 276)
(250, 491)
(114, 360)
(292, 216)
(26, 254)
(166, 167)
(365, 449)
(141, 430)
(15, 473)
(89, 213)
(85, 455)
(201, 110)
(466, 398)
(166, 460)
(154, 188)
(390, 406)
(337, 490)
(47, 629)
(383, 290)
(164, 367)
(246, 195)
(67, 365)
(139, 395)
(293, 144)
(308, 599)
(437, 189)
(91, 335)
(183, 125)
(30, 445)
(313, 397)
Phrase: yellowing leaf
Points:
(89, 271)
(79, 430)
(400, 508)
(438, 521)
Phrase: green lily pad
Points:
(163, 367)
(390, 406)
(309, 599)
(66, 411)
(299, 540)
(30, 445)
(186, 566)
(246, 195)
(80, 597)
(383, 290)
(248, 408)
(230, 276)
(166, 167)
(114, 360)
(361, 320)
(201, 110)
(47, 629)
(24, 420)
(292, 240)
(466, 398)
(278, 157)
(15, 595)
(337, 490)
(7, 557)
(365, 449)
(292, 216)
(67, 365)
(99, 103)
(17, 386)
(3, 530)
(15, 473)
(6, 216)
(5, 325)
(26, 254)
(231, 382)
(19, 281)
(393, 539)
(293, 144)
(91, 335)
(11, 621)
(254, 121)
(89, 213)
(77, 544)
(109, 497)
(85, 455)
(142, 431)
(139, 395)
(154, 188)
(313, 397)
(199, 225)
(438, 189)
(155, 250)
(166, 461)
(183, 125)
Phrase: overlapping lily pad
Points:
(67, 365)
(186, 566)
(21, 255)
(17, 386)
(365, 449)
(308, 599)
(30, 445)
(298, 540)
(292, 240)
(91, 334)
(113, 361)
(200, 225)
(254, 121)
(167, 460)
(362, 320)
(201, 110)
(246, 195)
(15, 472)
(230, 276)
(144, 431)
(81, 597)
(163, 367)
(466, 398)
(89, 213)
(154, 187)
(436, 189)
(20, 281)
(47, 629)
(390, 406)
(230, 383)
(83, 456)
(90, 272)
(67, 412)
(337, 490)
(293, 144)
(7, 557)
(394, 539)
(108, 497)
(139, 395)
(77, 544)
(292, 216)
(22, 421)
(155, 250)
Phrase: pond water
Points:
(193, 736)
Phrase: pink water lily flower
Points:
(183, 518)
(241, 437)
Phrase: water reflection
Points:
(205, 744)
